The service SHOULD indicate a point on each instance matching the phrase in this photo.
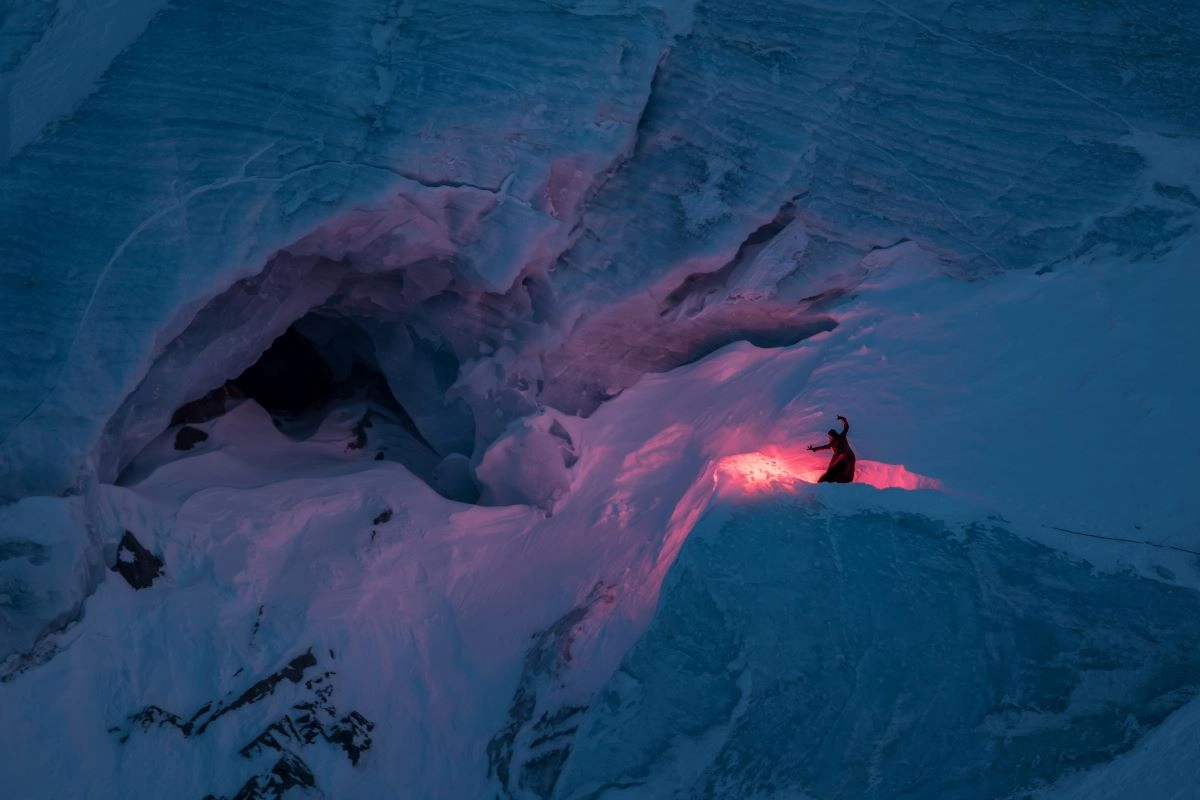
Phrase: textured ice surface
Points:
(799, 653)
(705, 227)
(226, 132)
(49, 561)
(471, 636)
(51, 58)
(605, 150)
(1161, 765)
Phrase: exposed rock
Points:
(308, 721)
(540, 774)
(316, 719)
(352, 734)
(287, 772)
(293, 672)
(529, 754)
(153, 716)
(384, 516)
(209, 407)
(360, 432)
(137, 565)
(257, 624)
(188, 437)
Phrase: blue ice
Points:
(801, 654)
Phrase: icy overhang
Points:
(616, 147)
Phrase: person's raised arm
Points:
(845, 425)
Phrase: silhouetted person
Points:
(841, 466)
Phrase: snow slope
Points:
(466, 635)
(616, 264)
(804, 650)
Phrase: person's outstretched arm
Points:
(816, 447)
(845, 425)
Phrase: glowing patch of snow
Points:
(762, 472)
(892, 476)
(781, 469)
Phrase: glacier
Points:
(802, 652)
(228, 144)
(411, 399)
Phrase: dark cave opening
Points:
(423, 372)
(288, 379)
(321, 366)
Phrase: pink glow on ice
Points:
(892, 476)
(769, 470)
(782, 469)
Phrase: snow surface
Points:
(619, 262)
(384, 135)
(812, 651)
(428, 616)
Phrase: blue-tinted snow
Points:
(627, 143)
(606, 151)
(228, 131)
(49, 562)
(805, 654)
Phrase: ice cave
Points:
(417, 399)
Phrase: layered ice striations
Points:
(606, 151)
(225, 133)
(484, 222)
(39, 83)
(800, 653)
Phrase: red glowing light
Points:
(766, 471)
(779, 469)
(892, 476)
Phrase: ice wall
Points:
(228, 131)
(802, 653)
(611, 150)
